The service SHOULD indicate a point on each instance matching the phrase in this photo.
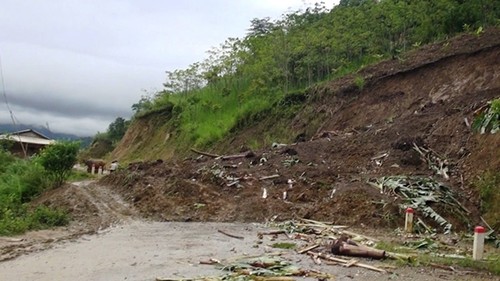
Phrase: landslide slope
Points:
(344, 133)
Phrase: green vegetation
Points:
(58, 160)
(359, 82)
(79, 176)
(103, 143)
(22, 180)
(284, 245)
(489, 118)
(488, 186)
(429, 257)
(245, 79)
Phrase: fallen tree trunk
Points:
(349, 248)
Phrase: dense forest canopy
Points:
(245, 76)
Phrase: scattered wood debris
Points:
(347, 263)
(436, 162)
(420, 193)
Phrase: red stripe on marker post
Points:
(409, 220)
(478, 248)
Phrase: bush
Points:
(5, 159)
(43, 217)
(32, 180)
(20, 181)
(16, 219)
(58, 160)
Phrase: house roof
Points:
(30, 132)
(27, 136)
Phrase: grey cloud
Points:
(61, 107)
(78, 65)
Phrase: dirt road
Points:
(146, 250)
(109, 241)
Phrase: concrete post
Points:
(409, 220)
(478, 249)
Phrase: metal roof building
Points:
(25, 143)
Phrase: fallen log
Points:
(205, 153)
(351, 249)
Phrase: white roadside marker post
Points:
(478, 249)
(409, 220)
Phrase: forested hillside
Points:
(244, 79)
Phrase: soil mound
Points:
(410, 118)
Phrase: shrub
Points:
(5, 159)
(43, 217)
(58, 160)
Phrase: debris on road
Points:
(419, 193)
(231, 235)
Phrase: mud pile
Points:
(424, 103)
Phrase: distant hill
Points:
(9, 128)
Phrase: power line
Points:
(12, 117)
(5, 94)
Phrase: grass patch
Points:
(17, 219)
(80, 176)
(490, 263)
(488, 186)
(428, 258)
(20, 182)
(359, 81)
(284, 245)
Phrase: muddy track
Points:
(109, 208)
(97, 206)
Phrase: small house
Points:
(25, 143)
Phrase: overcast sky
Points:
(76, 65)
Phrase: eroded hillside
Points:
(405, 118)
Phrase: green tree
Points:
(58, 160)
(117, 129)
(144, 104)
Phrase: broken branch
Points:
(307, 249)
(205, 153)
(330, 258)
(231, 235)
(269, 177)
